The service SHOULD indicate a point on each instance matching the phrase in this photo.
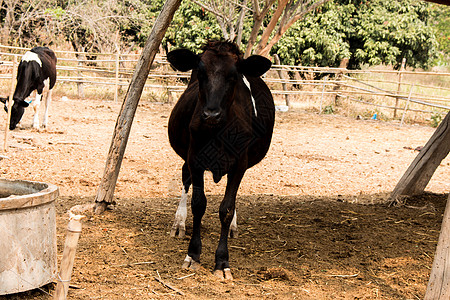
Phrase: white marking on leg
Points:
(253, 99)
(233, 226)
(227, 274)
(36, 104)
(190, 263)
(188, 258)
(187, 262)
(48, 100)
(180, 216)
(31, 56)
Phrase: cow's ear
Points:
(183, 59)
(254, 66)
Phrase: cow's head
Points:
(18, 108)
(218, 69)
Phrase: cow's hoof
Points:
(178, 228)
(233, 234)
(224, 274)
(190, 263)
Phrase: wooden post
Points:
(70, 247)
(10, 102)
(80, 78)
(406, 105)
(119, 141)
(399, 86)
(424, 165)
(166, 83)
(339, 75)
(284, 77)
(116, 86)
(439, 282)
(169, 96)
(321, 97)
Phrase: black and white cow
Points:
(36, 72)
(223, 123)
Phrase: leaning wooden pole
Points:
(426, 162)
(124, 121)
(439, 282)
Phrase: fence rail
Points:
(334, 85)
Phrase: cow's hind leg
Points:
(36, 104)
(48, 100)
(179, 225)
(233, 226)
(226, 215)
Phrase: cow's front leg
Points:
(198, 205)
(226, 215)
(36, 104)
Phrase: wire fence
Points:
(388, 92)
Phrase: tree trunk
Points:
(258, 18)
(253, 35)
(290, 16)
(124, 121)
(424, 165)
(271, 26)
(240, 26)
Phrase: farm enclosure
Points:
(312, 215)
(414, 96)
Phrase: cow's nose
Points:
(211, 114)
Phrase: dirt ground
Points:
(313, 216)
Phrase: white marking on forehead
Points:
(253, 99)
(31, 56)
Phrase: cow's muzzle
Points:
(212, 116)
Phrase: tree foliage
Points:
(367, 32)
(441, 23)
(230, 16)
(191, 27)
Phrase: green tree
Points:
(318, 40)
(367, 32)
(191, 27)
(441, 23)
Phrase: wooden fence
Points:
(378, 89)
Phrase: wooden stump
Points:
(68, 259)
(438, 285)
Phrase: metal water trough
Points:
(28, 235)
